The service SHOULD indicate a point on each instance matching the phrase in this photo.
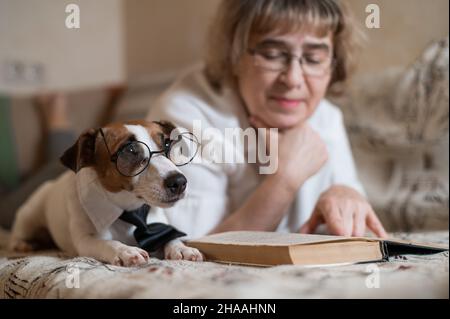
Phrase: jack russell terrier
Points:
(100, 208)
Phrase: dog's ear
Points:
(82, 153)
(166, 126)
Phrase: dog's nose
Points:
(176, 183)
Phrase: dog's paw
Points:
(21, 246)
(130, 256)
(180, 251)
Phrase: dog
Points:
(80, 210)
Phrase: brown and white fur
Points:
(55, 207)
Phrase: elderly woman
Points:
(270, 64)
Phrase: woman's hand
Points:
(345, 212)
(301, 153)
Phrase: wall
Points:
(407, 27)
(33, 32)
(163, 36)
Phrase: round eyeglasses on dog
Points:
(134, 157)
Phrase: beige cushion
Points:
(398, 125)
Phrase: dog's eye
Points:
(167, 143)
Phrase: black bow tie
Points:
(153, 236)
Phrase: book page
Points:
(271, 238)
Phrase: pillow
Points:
(397, 122)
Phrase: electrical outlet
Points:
(20, 73)
(12, 71)
(34, 73)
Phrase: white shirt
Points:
(214, 191)
(104, 208)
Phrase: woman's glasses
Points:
(280, 61)
(134, 157)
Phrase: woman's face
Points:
(283, 98)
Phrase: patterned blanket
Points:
(51, 274)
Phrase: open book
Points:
(270, 248)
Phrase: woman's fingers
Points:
(310, 226)
(329, 215)
(344, 221)
(359, 223)
(374, 224)
(347, 213)
(256, 122)
(253, 122)
(269, 137)
(335, 222)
